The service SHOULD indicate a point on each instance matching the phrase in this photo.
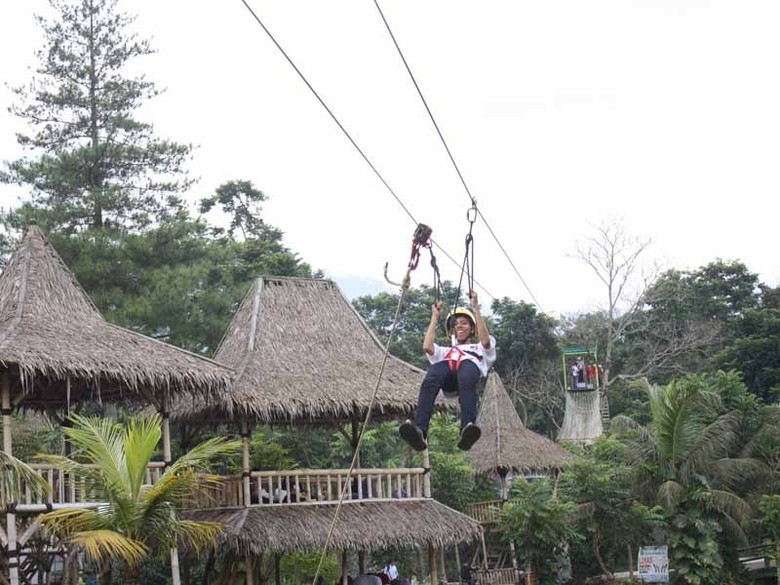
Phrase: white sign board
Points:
(653, 564)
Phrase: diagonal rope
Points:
(404, 288)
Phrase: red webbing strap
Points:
(454, 364)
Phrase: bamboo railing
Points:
(506, 576)
(265, 487)
(308, 486)
(71, 488)
(485, 512)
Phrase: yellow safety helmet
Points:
(459, 312)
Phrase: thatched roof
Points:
(51, 331)
(506, 443)
(360, 526)
(304, 355)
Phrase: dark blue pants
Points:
(439, 377)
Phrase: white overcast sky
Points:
(560, 114)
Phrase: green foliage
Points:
(300, 567)
(629, 398)
(267, 450)
(540, 525)
(753, 351)
(768, 521)
(601, 485)
(688, 461)
(526, 338)
(241, 201)
(688, 317)
(695, 557)
(765, 446)
(452, 475)
(529, 362)
(17, 479)
(35, 434)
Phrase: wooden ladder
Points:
(604, 406)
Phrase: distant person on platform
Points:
(391, 570)
(455, 370)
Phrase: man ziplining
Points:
(455, 370)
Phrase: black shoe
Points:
(469, 435)
(413, 435)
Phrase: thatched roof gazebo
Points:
(361, 526)
(56, 349)
(506, 444)
(303, 355)
(55, 345)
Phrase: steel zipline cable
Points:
(346, 133)
(449, 152)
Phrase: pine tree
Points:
(92, 163)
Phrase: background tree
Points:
(753, 346)
(108, 191)
(614, 256)
(540, 525)
(769, 522)
(600, 483)
(529, 362)
(687, 317)
(93, 163)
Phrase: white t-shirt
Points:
(391, 571)
(475, 352)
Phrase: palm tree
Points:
(133, 517)
(16, 478)
(684, 462)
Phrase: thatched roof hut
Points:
(361, 526)
(54, 342)
(304, 355)
(506, 444)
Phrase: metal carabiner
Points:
(473, 209)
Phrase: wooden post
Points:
(484, 550)
(514, 556)
(432, 565)
(67, 422)
(457, 561)
(443, 565)
(245, 437)
(426, 462)
(344, 567)
(168, 458)
(249, 570)
(361, 562)
(6, 406)
(13, 553)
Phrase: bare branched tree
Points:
(614, 256)
(538, 391)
